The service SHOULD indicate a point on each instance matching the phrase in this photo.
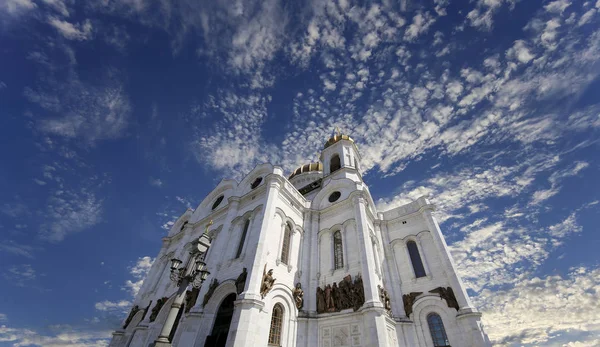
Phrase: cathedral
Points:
(303, 260)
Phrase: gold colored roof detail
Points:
(307, 168)
(335, 138)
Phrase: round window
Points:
(334, 196)
(218, 202)
(256, 182)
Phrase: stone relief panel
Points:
(341, 335)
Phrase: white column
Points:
(249, 303)
(368, 264)
(163, 338)
(314, 259)
(450, 268)
(390, 267)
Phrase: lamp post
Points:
(194, 272)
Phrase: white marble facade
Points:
(374, 246)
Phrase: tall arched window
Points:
(285, 247)
(338, 251)
(415, 259)
(436, 328)
(335, 163)
(242, 239)
(276, 323)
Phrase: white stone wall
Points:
(374, 245)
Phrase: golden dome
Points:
(335, 138)
(307, 168)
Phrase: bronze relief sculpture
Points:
(267, 282)
(409, 301)
(132, 313)
(340, 296)
(448, 295)
(298, 294)
(159, 304)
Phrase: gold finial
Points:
(337, 130)
(207, 226)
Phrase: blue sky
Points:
(117, 115)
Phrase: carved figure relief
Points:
(132, 313)
(191, 296)
(146, 309)
(409, 301)
(267, 282)
(448, 295)
(346, 295)
(320, 300)
(240, 282)
(211, 289)
(298, 296)
(159, 304)
(385, 299)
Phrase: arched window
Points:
(285, 247)
(335, 163)
(242, 239)
(276, 322)
(338, 252)
(415, 259)
(436, 328)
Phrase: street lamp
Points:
(194, 272)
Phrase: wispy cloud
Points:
(69, 212)
(66, 336)
(72, 31)
(20, 275)
(12, 247)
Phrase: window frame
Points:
(416, 255)
(338, 242)
(339, 163)
(242, 239)
(286, 244)
(276, 326)
(437, 330)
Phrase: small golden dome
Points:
(307, 168)
(335, 138)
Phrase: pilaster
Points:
(450, 268)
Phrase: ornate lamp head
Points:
(175, 263)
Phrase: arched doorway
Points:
(218, 336)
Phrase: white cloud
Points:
(58, 5)
(586, 17)
(156, 182)
(139, 272)
(72, 31)
(15, 248)
(20, 275)
(420, 24)
(3, 317)
(538, 309)
(14, 7)
(558, 6)
(120, 306)
(65, 337)
(87, 112)
(70, 212)
(520, 52)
